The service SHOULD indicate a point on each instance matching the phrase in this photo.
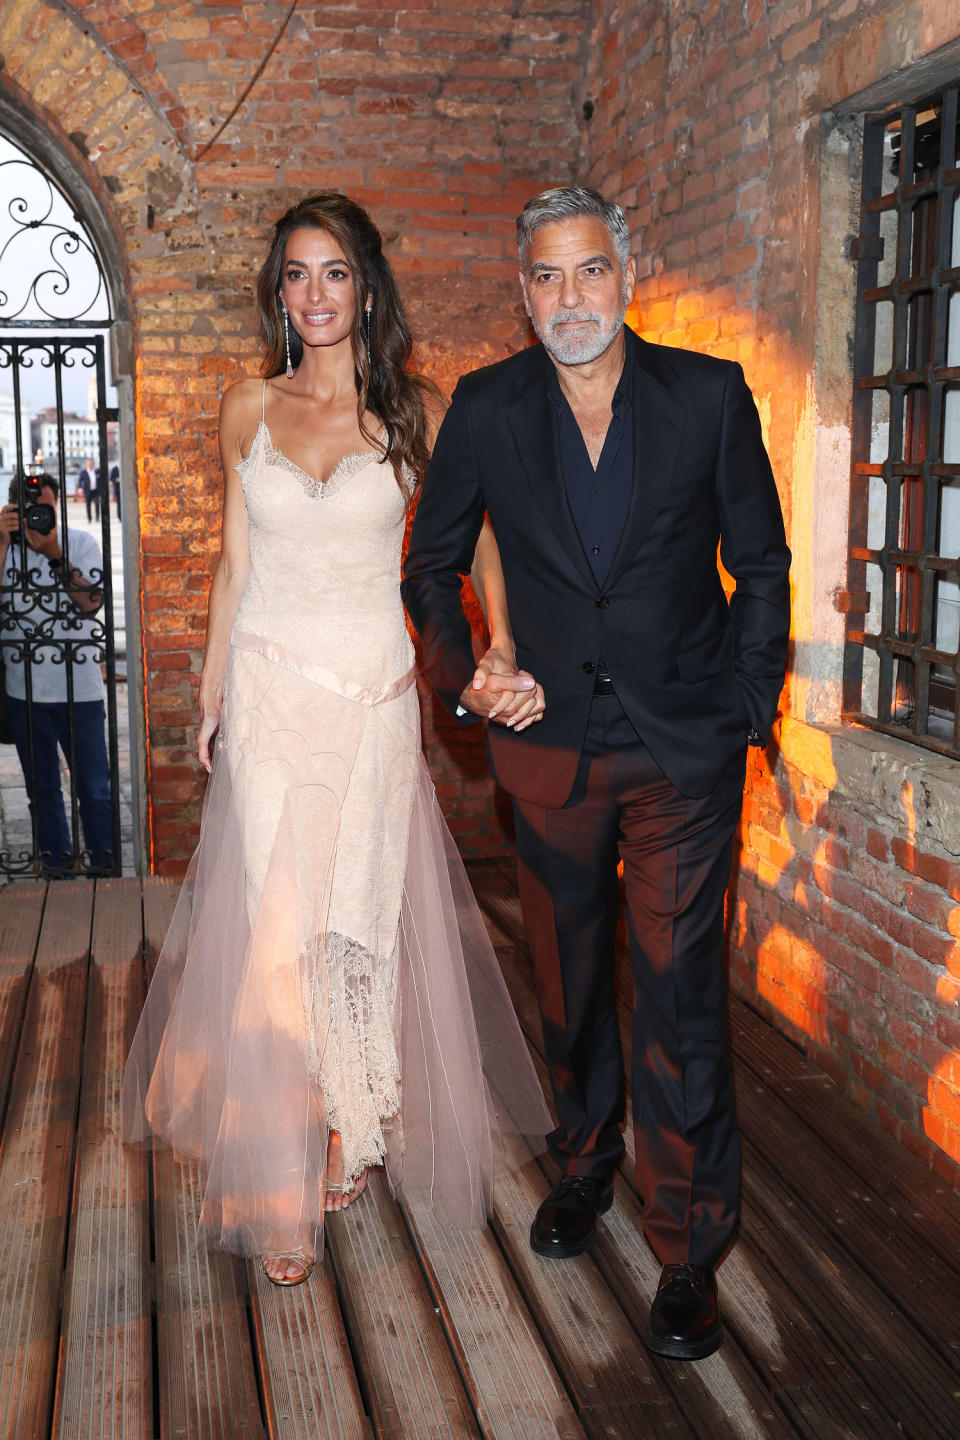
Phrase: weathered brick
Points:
(798, 41)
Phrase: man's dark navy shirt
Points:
(599, 498)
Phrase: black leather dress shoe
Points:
(566, 1223)
(685, 1315)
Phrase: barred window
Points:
(901, 672)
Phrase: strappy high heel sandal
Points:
(297, 1257)
(348, 1188)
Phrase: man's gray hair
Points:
(566, 202)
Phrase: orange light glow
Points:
(941, 1115)
(792, 978)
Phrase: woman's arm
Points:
(510, 698)
(516, 708)
(486, 576)
(233, 567)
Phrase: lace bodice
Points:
(325, 562)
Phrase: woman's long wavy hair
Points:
(384, 384)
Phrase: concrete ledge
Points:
(884, 779)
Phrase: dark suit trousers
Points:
(676, 855)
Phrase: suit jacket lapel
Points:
(533, 424)
(657, 430)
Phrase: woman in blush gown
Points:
(326, 997)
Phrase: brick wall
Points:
(843, 930)
(706, 125)
(441, 117)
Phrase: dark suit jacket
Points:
(692, 672)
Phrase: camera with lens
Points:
(40, 518)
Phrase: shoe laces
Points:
(576, 1184)
(685, 1273)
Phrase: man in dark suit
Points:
(88, 485)
(611, 470)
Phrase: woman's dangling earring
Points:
(366, 326)
(286, 336)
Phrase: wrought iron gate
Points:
(42, 628)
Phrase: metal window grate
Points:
(902, 603)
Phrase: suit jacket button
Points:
(588, 667)
(602, 602)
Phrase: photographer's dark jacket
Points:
(693, 673)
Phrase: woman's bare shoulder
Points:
(241, 400)
(241, 411)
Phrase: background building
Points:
(80, 440)
(8, 434)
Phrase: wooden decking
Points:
(842, 1297)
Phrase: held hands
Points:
(501, 692)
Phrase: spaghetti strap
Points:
(263, 403)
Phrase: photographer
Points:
(49, 603)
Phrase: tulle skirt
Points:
(326, 968)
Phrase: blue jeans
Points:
(51, 729)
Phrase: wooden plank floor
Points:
(841, 1298)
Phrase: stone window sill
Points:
(880, 776)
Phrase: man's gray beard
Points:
(579, 349)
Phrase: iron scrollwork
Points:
(45, 619)
(49, 271)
